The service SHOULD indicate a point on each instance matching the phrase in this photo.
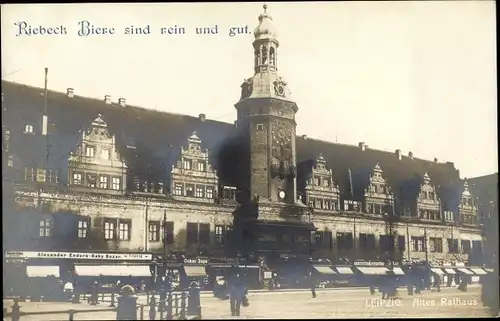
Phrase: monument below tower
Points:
(273, 218)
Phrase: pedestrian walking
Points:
(437, 279)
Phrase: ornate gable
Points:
(428, 202)
(96, 164)
(321, 191)
(377, 184)
(193, 176)
(378, 196)
(467, 204)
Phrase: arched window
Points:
(264, 54)
(272, 56)
(28, 129)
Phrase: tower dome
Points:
(265, 29)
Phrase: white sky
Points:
(415, 76)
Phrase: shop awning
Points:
(41, 271)
(398, 271)
(489, 270)
(478, 271)
(437, 271)
(373, 270)
(112, 270)
(195, 270)
(465, 271)
(343, 270)
(324, 269)
(449, 271)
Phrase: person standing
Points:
(236, 293)
(437, 279)
(313, 287)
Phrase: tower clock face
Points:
(282, 141)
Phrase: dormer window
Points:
(116, 183)
(90, 151)
(91, 180)
(105, 153)
(28, 129)
(326, 182)
(186, 164)
(103, 182)
(316, 181)
(431, 195)
(77, 179)
(201, 166)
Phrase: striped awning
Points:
(465, 271)
(478, 271)
(343, 270)
(195, 270)
(41, 271)
(398, 271)
(113, 270)
(324, 269)
(373, 270)
(437, 271)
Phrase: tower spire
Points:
(265, 44)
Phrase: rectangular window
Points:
(192, 233)
(401, 243)
(46, 227)
(260, 127)
(417, 244)
(209, 192)
(204, 233)
(154, 231)
(124, 230)
(169, 226)
(52, 176)
(10, 160)
(105, 153)
(109, 229)
(229, 193)
(385, 242)
(436, 245)
(90, 151)
(91, 180)
(326, 204)
(40, 175)
(103, 182)
(186, 164)
(432, 195)
(452, 245)
(344, 241)
(77, 179)
(116, 183)
(220, 234)
(29, 174)
(83, 229)
(179, 189)
(201, 166)
(466, 247)
(190, 190)
(199, 191)
(351, 206)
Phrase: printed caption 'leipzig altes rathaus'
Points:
(89, 174)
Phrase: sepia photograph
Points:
(249, 160)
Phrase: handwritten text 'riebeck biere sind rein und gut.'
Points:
(85, 29)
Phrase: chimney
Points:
(435, 160)
(107, 99)
(304, 136)
(235, 123)
(122, 102)
(70, 92)
(362, 146)
(410, 154)
(202, 117)
(398, 153)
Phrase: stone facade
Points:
(132, 183)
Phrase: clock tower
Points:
(266, 117)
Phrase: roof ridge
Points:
(113, 103)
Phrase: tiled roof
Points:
(153, 132)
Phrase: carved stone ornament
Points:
(279, 87)
(246, 88)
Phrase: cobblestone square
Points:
(329, 304)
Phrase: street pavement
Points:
(338, 303)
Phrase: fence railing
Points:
(180, 305)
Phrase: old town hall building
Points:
(87, 174)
